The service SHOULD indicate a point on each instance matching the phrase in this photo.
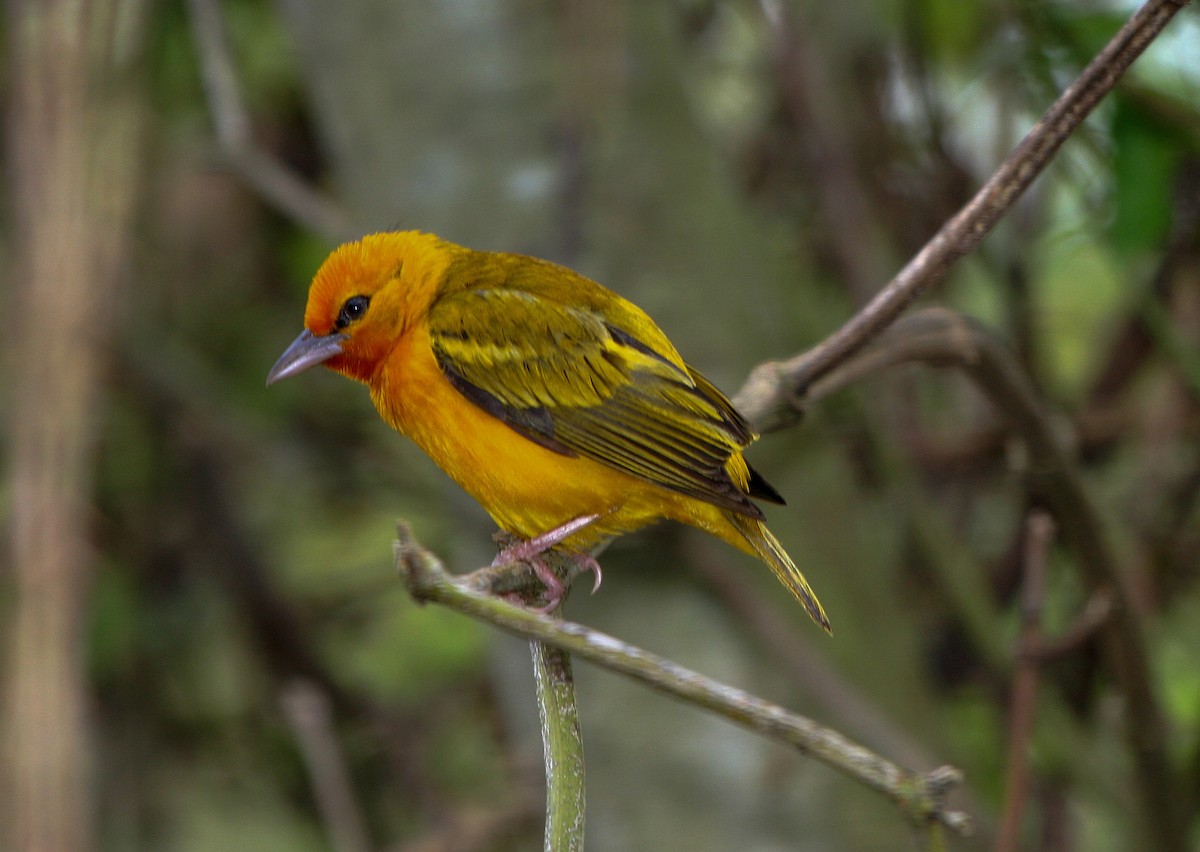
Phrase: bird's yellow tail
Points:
(769, 550)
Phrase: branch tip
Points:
(421, 571)
(938, 784)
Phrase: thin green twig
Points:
(562, 747)
(558, 708)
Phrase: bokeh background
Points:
(205, 644)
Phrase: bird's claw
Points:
(530, 551)
(587, 562)
(524, 551)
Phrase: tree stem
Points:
(562, 747)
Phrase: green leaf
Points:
(1146, 157)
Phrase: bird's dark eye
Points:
(352, 309)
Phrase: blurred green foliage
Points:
(244, 533)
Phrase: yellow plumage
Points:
(543, 394)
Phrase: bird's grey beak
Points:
(306, 351)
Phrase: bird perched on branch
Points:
(558, 405)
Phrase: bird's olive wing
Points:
(569, 379)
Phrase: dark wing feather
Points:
(569, 378)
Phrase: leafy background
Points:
(241, 603)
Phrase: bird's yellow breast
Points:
(544, 395)
(525, 487)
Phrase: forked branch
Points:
(940, 337)
(921, 796)
(775, 393)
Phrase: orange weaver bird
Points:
(558, 405)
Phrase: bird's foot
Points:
(530, 552)
(523, 551)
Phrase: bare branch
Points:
(1039, 530)
(1095, 613)
(308, 711)
(941, 337)
(842, 700)
(281, 188)
(921, 796)
(772, 395)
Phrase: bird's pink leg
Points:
(530, 551)
(523, 550)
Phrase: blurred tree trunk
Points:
(71, 157)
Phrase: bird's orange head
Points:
(362, 300)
